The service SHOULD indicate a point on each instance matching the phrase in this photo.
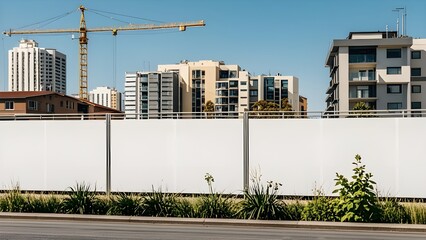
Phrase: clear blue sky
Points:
(262, 36)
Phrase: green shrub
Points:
(13, 201)
(159, 204)
(321, 208)
(214, 205)
(262, 202)
(126, 204)
(357, 200)
(392, 212)
(416, 212)
(294, 211)
(80, 200)
(43, 204)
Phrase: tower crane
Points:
(83, 40)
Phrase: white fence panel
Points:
(52, 155)
(176, 154)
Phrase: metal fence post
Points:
(246, 152)
(108, 154)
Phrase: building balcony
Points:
(362, 99)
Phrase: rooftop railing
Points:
(223, 115)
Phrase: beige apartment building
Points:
(229, 87)
(378, 68)
(198, 82)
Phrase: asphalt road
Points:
(42, 229)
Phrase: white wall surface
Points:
(302, 154)
(176, 154)
(52, 155)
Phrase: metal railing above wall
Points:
(223, 115)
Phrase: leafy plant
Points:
(160, 204)
(43, 204)
(126, 204)
(262, 202)
(393, 212)
(416, 212)
(13, 201)
(321, 208)
(80, 200)
(357, 200)
(214, 205)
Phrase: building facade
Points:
(36, 69)
(274, 89)
(106, 96)
(378, 68)
(224, 85)
(151, 94)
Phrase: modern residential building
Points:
(46, 102)
(36, 69)
(303, 104)
(151, 94)
(274, 89)
(207, 80)
(378, 68)
(106, 96)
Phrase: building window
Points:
(393, 53)
(416, 55)
(223, 74)
(233, 74)
(32, 105)
(393, 70)
(254, 93)
(50, 108)
(269, 89)
(233, 83)
(416, 89)
(416, 105)
(394, 105)
(9, 105)
(394, 88)
(243, 83)
(416, 72)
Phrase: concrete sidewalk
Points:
(222, 222)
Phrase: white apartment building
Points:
(378, 68)
(106, 96)
(275, 89)
(151, 94)
(36, 69)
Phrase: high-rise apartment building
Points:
(151, 94)
(36, 69)
(106, 96)
(378, 68)
(274, 89)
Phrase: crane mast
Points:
(83, 56)
(83, 40)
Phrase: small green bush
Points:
(321, 208)
(42, 204)
(262, 202)
(392, 212)
(159, 204)
(13, 201)
(80, 200)
(294, 211)
(357, 200)
(214, 205)
(416, 212)
(126, 204)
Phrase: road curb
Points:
(218, 222)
